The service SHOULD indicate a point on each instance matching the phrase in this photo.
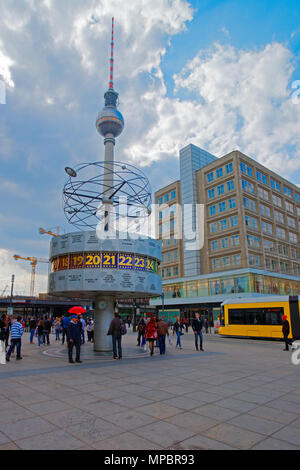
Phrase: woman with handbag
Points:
(151, 333)
(177, 328)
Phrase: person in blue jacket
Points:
(74, 338)
(65, 322)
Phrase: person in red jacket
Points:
(151, 333)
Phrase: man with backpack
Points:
(117, 329)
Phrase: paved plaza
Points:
(237, 394)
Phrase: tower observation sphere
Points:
(110, 120)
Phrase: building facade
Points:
(251, 230)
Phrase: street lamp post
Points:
(134, 317)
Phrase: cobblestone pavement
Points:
(237, 394)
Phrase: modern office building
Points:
(251, 223)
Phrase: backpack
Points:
(123, 328)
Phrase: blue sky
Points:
(214, 73)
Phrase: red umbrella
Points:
(77, 310)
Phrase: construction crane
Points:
(42, 231)
(33, 261)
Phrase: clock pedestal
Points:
(104, 313)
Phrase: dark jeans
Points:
(117, 340)
(162, 344)
(198, 333)
(287, 342)
(90, 336)
(70, 350)
(14, 342)
(46, 336)
(64, 335)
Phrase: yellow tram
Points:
(260, 317)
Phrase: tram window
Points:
(255, 316)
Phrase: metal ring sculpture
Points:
(88, 191)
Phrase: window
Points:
(229, 169)
(166, 198)
(283, 250)
(276, 200)
(230, 185)
(224, 243)
(211, 193)
(213, 227)
(175, 271)
(231, 203)
(254, 223)
(263, 194)
(160, 215)
(226, 261)
(267, 228)
(275, 184)
(268, 245)
(253, 241)
(280, 233)
(219, 172)
(287, 191)
(235, 240)
(210, 176)
(293, 237)
(298, 211)
(233, 221)
(249, 170)
(173, 209)
(291, 222)
(255, 316)
(249, 204)
(212, 210)
(297, 197)
(168, 257)
(264, 210)
(243, 167)
(215, 263)
(236, 259)
(289, 207)
(223, 224)
(222, 206)
(173, 194)
(248, 186)
(279, 217)
(258, 176)
(214, 245)
(220, 189)
(175, 255)
(160, 201)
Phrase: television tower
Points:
(110, 124)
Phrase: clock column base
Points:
(104, 313)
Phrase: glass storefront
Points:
(252, 283)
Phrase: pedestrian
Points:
(162, 331)
(177, 329)
(285, 331)
(74, 338)
(151, 333)
(90, 330)
(115, 332)
(2, 339)
(206, 325)
(16, 334)
(32, 328)
(82, 330)
(7, 321)
(197, 326)
(65, 322)
(40, 332)
(57, 329)
(141, 330)
(47, 330)
(129, 322)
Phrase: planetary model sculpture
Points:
(99, 262)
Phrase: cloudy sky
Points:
(215, 73)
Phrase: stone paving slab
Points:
(238, 394)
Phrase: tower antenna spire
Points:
(111, 77)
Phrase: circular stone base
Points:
(87, 353)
